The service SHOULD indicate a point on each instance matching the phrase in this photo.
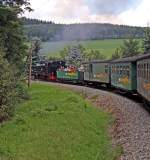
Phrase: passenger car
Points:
(123, 74)
(97, 72)
(143, 76)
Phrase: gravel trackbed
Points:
(132, 124)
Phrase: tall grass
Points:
(55, 125)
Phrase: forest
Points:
(49, 31)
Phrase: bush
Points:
(12, 62)
(8, 94)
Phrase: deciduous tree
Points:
(12, 55)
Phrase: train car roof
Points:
(123, 60)
(56, 61)
(144, 56)
(97, 61)
(131, 59)
(101, 61)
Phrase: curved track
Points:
(132, 125)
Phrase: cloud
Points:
(109, 7)
(137, 16)
(131, 12)
(67, 11)
(69, 8)
(58, 10)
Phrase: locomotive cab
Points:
(52, 69)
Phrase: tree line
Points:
(12, 56)
(30, 21)
(49, 31)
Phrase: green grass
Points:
(106, 47)
(56, 124)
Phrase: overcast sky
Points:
(129, 12)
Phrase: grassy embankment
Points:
(56, 124)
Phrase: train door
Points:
(90, 72)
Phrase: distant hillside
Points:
(49, 31)
(105, 47)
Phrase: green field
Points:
(107, 47)
(56, 124)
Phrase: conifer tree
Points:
(130, 47)
(147, 41)
(117, 54)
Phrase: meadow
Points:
(56, 124)
(106, 47)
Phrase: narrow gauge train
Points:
(130, 74)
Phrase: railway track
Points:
(135, 97)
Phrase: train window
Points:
(117, 69)
(144, 70)
(127, 71)
(148, 66)
(142, 73)
(149, 71)
(106, 68)
(111, 69)
(86, 68)
(139, 70)
(147, 76)
(121, 70)
(124, 70)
